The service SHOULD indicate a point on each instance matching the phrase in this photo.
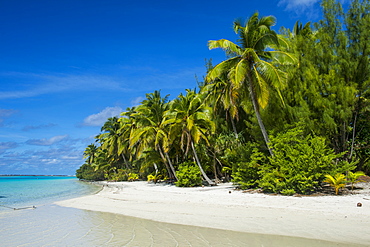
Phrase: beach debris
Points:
(31, 207)
(229, 191)
(359, 204)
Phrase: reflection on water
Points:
(58, 226)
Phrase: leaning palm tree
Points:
(252, 65)
(190, 120)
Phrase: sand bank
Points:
(332, 218)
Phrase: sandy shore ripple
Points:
(332, 218)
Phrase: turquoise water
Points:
(26, 191)
(52, 225)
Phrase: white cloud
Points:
(130, 79)
(294, 4)
(137, 101)
(100, 118)
(60, 160)
(46, 142)
(4, 113)
(8, 145)
(34, 127)
(44, 84)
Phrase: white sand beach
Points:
(332, 218)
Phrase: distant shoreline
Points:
(22, 175)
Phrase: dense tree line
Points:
(281, 112)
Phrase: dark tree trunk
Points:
(125, 161)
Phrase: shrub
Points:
(288, 192)
(154, 177)
(123, 175)
(87, 172)
(132, 176)
(120, 175)
(246, 173)
(299, 163)
(353, 177)
(188, 175)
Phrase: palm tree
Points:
(90, 153)
(353, 177)
(338, 181)
(222, 94)
(252, 65)
(103, 162)
(111, 139)
(151, 130)
(191, 121)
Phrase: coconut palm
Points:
(112, 140)
(151, 130)
(338, 181)
(191, 122)
(102, 162)
(90, 153)
(353, 177)
(252, 65)
(222, 94)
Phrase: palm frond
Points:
(241, 71)
(225, 45)
(261, 89)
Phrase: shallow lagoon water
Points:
(52, 225)
(25, 191)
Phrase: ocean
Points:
(28, 217)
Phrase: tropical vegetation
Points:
(285, 112)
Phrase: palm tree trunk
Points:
(171, 166)
(200, 167)
(353, 137)
(155, 168)
(233, 125)
(170, 170)
(258, 115)
(170, 175)
(125, 161)
(215, 168)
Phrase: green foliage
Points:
(154, 177)
(132, 177)
(120, 175)
(338, 181)
(254, 92)
(300, 163)
(288, 192)
(87, 172)
(123, 175)
(188, 175)
(352, 177)
(246, 173)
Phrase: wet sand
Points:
(330, 218)
(61, 226)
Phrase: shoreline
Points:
(330, 218)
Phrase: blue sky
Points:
(66, 66)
